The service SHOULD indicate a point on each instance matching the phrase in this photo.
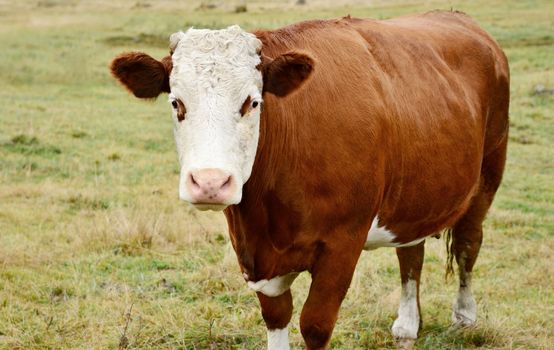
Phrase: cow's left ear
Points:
(143, 75)
(286, 73)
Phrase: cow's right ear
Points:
(286, 73)
(143, 75)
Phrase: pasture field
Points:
(97, 252)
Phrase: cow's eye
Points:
(249, 105)
(258, 104)
(179, 107)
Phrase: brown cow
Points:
(373, 133)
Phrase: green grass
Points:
(96, 251)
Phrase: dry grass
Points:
(96, 252)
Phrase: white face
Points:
(214, 73)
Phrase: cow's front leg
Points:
(407, 324)
(331, 277)
(277, 312)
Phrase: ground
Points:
(96, 251)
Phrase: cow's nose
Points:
(210, 186)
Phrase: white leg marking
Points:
(381, 237)
(275, 286)
(278, 339)
(464, 310)
(407, 323)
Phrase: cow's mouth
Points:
(209, 206)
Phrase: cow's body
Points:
(399, 133)
(392, 123)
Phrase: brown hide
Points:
(394, 121)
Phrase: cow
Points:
(327, 137)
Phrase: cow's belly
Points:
(412, 221)
(429, 194)
(380, 236)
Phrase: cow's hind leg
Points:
(467, 235)
(407, 324)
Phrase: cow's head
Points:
(216, 80)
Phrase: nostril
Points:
(193, 181)
(227, 183)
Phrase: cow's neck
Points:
(253, 228)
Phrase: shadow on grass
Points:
(438, 336)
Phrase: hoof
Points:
(462, 320)
(464, 316)
(404, 343)
(405, 328)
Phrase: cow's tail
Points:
(449, 254)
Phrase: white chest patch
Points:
(275, 286)
(381, 237)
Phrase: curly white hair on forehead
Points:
(206, 40)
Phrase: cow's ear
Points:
(143, 75)
(286, 73)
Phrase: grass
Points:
(96, 251)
